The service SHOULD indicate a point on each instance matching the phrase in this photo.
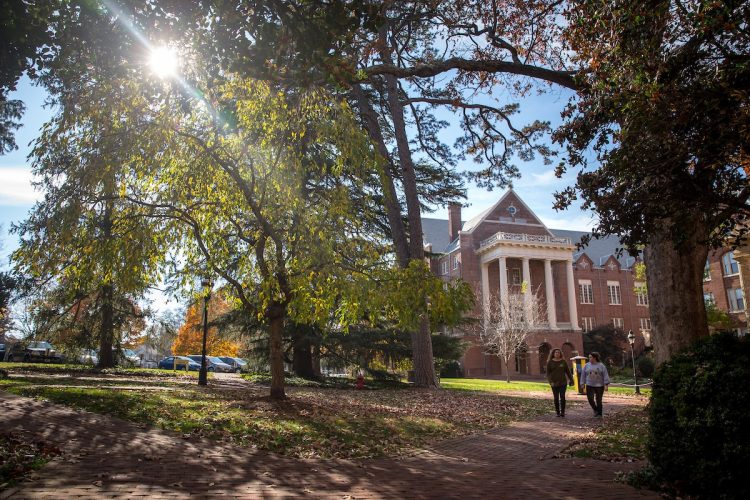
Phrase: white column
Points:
(526, 278)
(503, 280)
(550, 294)
(485, 290)
(572, 296)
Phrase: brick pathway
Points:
(108, 457)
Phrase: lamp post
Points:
(631, 339)
(203, 374)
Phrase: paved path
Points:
(108, 457)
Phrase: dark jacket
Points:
(558, 373)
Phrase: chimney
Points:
(454, 220)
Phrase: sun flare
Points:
(163, 62)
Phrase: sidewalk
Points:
(107, 457)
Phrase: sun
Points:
(163, 61)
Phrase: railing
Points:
(525, 238)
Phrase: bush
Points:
(645, 366)
(452, 369)
(699, 441)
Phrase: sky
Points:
(536, 186)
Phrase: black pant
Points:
(591, 394)
(559, 393)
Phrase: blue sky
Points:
(536, 186)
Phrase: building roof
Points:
(598, 250)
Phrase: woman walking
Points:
(559, 377)
(596, 379)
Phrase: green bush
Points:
(645, 366)
(699, 441)
(452, 369)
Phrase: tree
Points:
(397, 63)
(8, 285)
(84, 238)
(664, 104)
(24, 38)
(507, 323)
(189, 338)
(609, 342)
(75, 322)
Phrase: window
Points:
(646, 324)
(707, 271)
(455, 261)
(708, 298)
(514, 276)
(587, 324)
(730, 265)
(585, 292)
(618, 323)
(444, 266)
(641, 295)
(613, 289)
(736, 300)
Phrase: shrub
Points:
(645, 366)
(452, 369)
(699, 441)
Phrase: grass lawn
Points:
(622, 436)
(474, 384)
(313, 421)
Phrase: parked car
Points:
(129, 358)
(238, 364)
(213, 364)
(34, 351)
(168, 363)
(88, 357)
(2, 352)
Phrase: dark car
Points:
(2, 352)
(237, 364)
(169, 362)
(213, 364)
(34, 351)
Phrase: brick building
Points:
(722, 285)
(507, 245)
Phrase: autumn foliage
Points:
(190, 335)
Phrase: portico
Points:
(513, 256)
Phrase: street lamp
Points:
(203, 374)
(631, 339)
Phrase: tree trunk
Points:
(422, 358)
(302, 358)
(507, 369)
(275, 316)
(106, 332)
(675, 289)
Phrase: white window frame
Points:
(444, 267)
(585, 292)
(614, 294)
(618, 323)
(736, 300)
(708, 297)
(455, 261)
(641, 296)
(728, 264)
(707, 271)
(645, 324)
(587, 323)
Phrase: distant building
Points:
(723, 284)
(507, 245)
